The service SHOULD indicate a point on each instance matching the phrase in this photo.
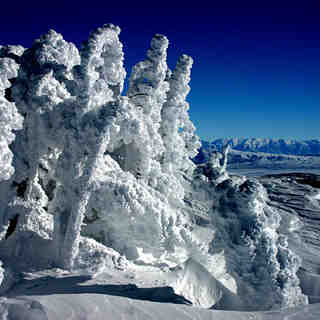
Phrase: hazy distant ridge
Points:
(280, 146)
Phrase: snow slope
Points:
(56, 295)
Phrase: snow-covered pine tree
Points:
(148, 91)
(178, 136)
(10, 119)
(99, 82)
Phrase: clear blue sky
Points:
(256, 70)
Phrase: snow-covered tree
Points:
(178, 136)
(99, 82)
(10, 119)
(247, 229)
(101, 73)
(148, 91)
(90, 162)
(38, 92)
(215, 169)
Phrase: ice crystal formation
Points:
(94, 179)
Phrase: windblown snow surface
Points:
(105, 216)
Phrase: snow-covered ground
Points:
(56, 295)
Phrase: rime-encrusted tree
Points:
(148, 91)
(215, 169)
(177, 133)
(12, 52)
(99, 82)
(69, 102)
(118, 169)
(73, 112)
(10, 119)
(101, 73)
(38, 92)
(147, 85)
(247, 228)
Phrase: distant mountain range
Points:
(278, 146)
(265, 153)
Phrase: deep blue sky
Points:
(256, 70)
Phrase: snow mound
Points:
(94, 258)
(196, 284)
